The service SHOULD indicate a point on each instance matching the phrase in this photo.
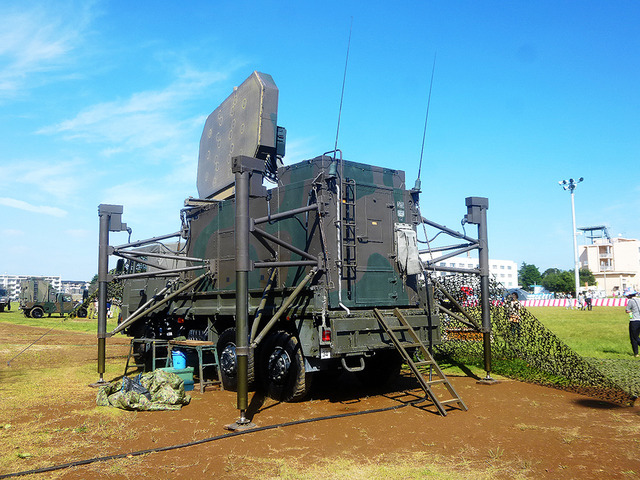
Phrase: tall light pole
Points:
(571, 186)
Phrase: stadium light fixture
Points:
(571, 185)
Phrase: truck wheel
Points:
(381, 369)
(226, 347)
(82, 313)
(37, 312)
(282, 371)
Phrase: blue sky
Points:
(105, 101)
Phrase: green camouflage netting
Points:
(166, 390)
(528, 350)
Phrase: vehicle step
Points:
(436, 382)
(424, 362)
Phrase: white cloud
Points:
(37, 40)
(300, 149)
(80, 234)
(146, 120)
(22, 205)
(12, 232)
(54, 179)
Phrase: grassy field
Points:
(601, 333)
(88, 325)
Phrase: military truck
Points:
(39, 297)
(5, 300)
(314, 259)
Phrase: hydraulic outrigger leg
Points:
(477, 214)
(110, 221)
(243, 167)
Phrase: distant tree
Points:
(114, 288)
(93, 284)
(529, 275)
(586, 277)
(556, 280)
(549, 271)
(559, 281)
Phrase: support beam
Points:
(243, 167)
(477, 214)
(110, 221)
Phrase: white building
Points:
(503, 271)
(74, 288)
(614, 262)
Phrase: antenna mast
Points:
(424, 133)
(344, 80)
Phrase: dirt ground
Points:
(511, 429)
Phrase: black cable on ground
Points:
(198, 442)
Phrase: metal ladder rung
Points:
(399, 329)
(425, 384)
(437, 382)
(423, 362)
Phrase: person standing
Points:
(569, 304)
(633, 309)
(514, 307)
(581, 301)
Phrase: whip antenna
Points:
(424, 133)
(344, 80)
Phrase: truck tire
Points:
(82, 312)
(36, 312)
(381, 369)
(226, 347)
(281, 367)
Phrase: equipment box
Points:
(186, 374)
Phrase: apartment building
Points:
(504, 271)
(614, 262)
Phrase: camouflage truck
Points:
(331, 244)
(5, 300)
(39, 297)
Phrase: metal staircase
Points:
(398, 335)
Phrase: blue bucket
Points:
(179, 359)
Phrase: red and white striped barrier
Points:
(562, 302)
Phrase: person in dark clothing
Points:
(633, 309)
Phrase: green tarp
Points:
(166, 391)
